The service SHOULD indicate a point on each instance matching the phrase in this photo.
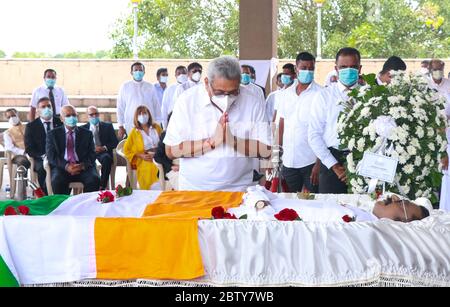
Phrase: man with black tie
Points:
(35, 137)
(71, 155)
(55, 94)
(105, 140)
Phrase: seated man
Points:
(14, 138)
(71, 155)
(105, 140)
(36, 135)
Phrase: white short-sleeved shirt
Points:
(43, 91)
(296, 111)
(133, 94)
(270, 104)
(443, 88)
(195, 118)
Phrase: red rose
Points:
(105, 197)
(24, 210)
(10, 211)
(287, 215)
(218, 212)
(119, 188)
(347, 219)
(229, 216)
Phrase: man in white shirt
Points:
(246, 81)
(437, 80)
(14, 138)
(163, 77)
(287, 79)
(168, 101)
(133, 94)
(393, 63)
(322, 131)
(56, 94)
(300, 164)
(271, 100)
(194, 78)
(217, 130)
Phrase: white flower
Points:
(415, 143)
(351, 144)
(360, 144)
(418, 161)
(427, 159)
(431, 146)
(351, 163)
(411, 150)
(420, 133)
(401, 160)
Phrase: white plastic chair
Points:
(131, 173)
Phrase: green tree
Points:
(180, 29)
(2, 54)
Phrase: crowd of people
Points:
(209, 132)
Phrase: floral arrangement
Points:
(287, 215)
(105, 197)
(108, 197)
(348, 219)
(20, 210)
(404, 120)
(121, 191)
(219, 213)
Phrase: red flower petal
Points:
(347, 219)
(10, 211)
(218, 212)
(229, 216)
(287, 215)
(24, 210)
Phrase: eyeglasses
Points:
(223, 93)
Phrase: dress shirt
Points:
(43, 91)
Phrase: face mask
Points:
(138, 75)
(182, 78)
(46, 113)
(348, 76)
(143, 119)
(13, 120)
(286, 79)
(71, 121)
(245, 79)
(437, 74)
(305, 76)
(224, 102)
(424, 71)
(163, 79)
(94, 120)
(196, 77)
(50, 82)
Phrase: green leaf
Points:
(371, 79)
(243, 217)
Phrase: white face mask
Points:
(424, 71)
(224, 102)
(196, 77)
(13, 120)
(163, 79)
(182, 78)
(437, 74)
(143, 119)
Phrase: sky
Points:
(57, 26)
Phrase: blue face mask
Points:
(138, 75)
(46, 113)
(286, 79)
(71, 121)
(348, 76)
(305, 76)
(245, 79)
(94, 120)
(50, 82)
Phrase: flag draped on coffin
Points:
(157, 241)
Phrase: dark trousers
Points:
(61, 180)
(106, 161)
(40, 170)
(329, 183)
(296, 178)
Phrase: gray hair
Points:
(226, 67)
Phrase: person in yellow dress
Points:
(140, 147)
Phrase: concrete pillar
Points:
(258, 29)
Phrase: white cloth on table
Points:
(195, 118)
(133, 94)
(43, 91)
(296, 112)
(151, 139)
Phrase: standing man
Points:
(289, 75)
(217, 130)
(271, 100)
(300, 164)
(437, 80)
(133, 94)
(393, 63)
(194, 78)
(168, 101)
(424, 68)
(71, 155)
(56, 94)
(248, 81)
(163, 77)
(322, 132)
(36, 136)
(105, 141)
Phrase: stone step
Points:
(75, 100)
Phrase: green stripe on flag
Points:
(7, 278)
(40, 206)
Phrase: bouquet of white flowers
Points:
(407, 119)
